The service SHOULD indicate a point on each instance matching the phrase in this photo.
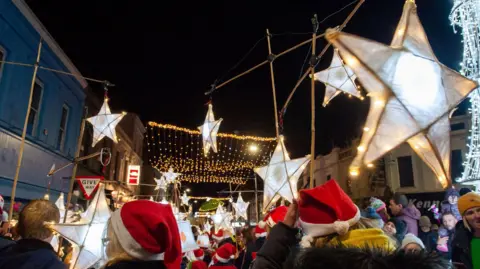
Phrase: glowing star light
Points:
(88, 233)
(280, 176)
(222, 219)
(209, 131)
(185, 199)
(161, 183)
(240, 207)
(411, 93)
(104, 123)
(170, 176)
(337, 78)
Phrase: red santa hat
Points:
(273, 217)
(259, 232)
(326, 209)
(225, 253)
(148, 231)
(199, 254)
(198, 265)
(219, 235)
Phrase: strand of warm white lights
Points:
(465, 14)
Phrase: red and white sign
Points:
(89, 185)
(133, 176)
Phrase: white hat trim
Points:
(264, 234)
(315, 229)
(128, 243)
(270, 222)
(220, 259)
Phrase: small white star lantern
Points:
(209, 131)
(240, 207)
(104, 123)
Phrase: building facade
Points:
(56, 108)
(401, 170)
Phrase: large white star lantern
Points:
(240, 207)
(280, 176)
(185, 199)
(87, 234)
(161, 183)
(222, 219)
(411, 94)
(209, 131)
(338, 78)
(104, 123)
(170, 176)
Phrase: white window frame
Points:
(65, 128)
(35, 121)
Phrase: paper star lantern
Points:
(338, 78)
(207, 227)
(209, 131)
(411, 93)
(161, 183)
(240, 207)
(280, 176)
(104, 123)
(170, 176)
(179, 216)
(185, 199)
(222, 219)
(88, 233)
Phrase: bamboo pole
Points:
(272, 77)
(256, 200)
(74, 170)
(312, 81)
(24, 133)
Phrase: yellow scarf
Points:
(373, 238)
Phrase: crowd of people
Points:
(324, 228)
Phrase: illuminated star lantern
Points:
(240, 207)
(207, 227)
(209, 131)
(338, 78)
(280, 176)
(88, 233)
(221, 219)
(170, 176)
(185, 199)
(104, 123)
(161, 183)
(411, 93)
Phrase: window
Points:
(405, 169)
(456, 166)
(35, 108)
(63, 128)
(457, 126)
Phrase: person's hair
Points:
(115, 249)
(365, 258)
(400, 199)
(247, 234)
(448, 213)
(32, 219)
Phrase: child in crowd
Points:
(396, 229)
(411, 243)
(449, 205)
(426, 234)
(445, 235)
(224, 257)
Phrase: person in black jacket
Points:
(281, 241)
(33, 250)
(466, 242)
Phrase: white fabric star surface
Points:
(337, 78)
(209, 131)
(185, 199)
(222, 219)
(280, 176)
(104, 123)
(411, 93)
(207, 227)
(88, 233)
(170, 176)
(161, 183)
(240, 207)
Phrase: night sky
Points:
(163, 56)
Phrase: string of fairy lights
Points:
(180, 148)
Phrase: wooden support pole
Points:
(272, 77)
(74, 170)
(312, 81)
(24, 132)
(256, 200)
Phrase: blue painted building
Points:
(57, 105)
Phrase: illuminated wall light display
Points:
(466, 14)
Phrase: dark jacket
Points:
(410, 215)
(277, 247)
(461, 252)
(30, 254)
(137, 265)
(429, 239)
(245, 257)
